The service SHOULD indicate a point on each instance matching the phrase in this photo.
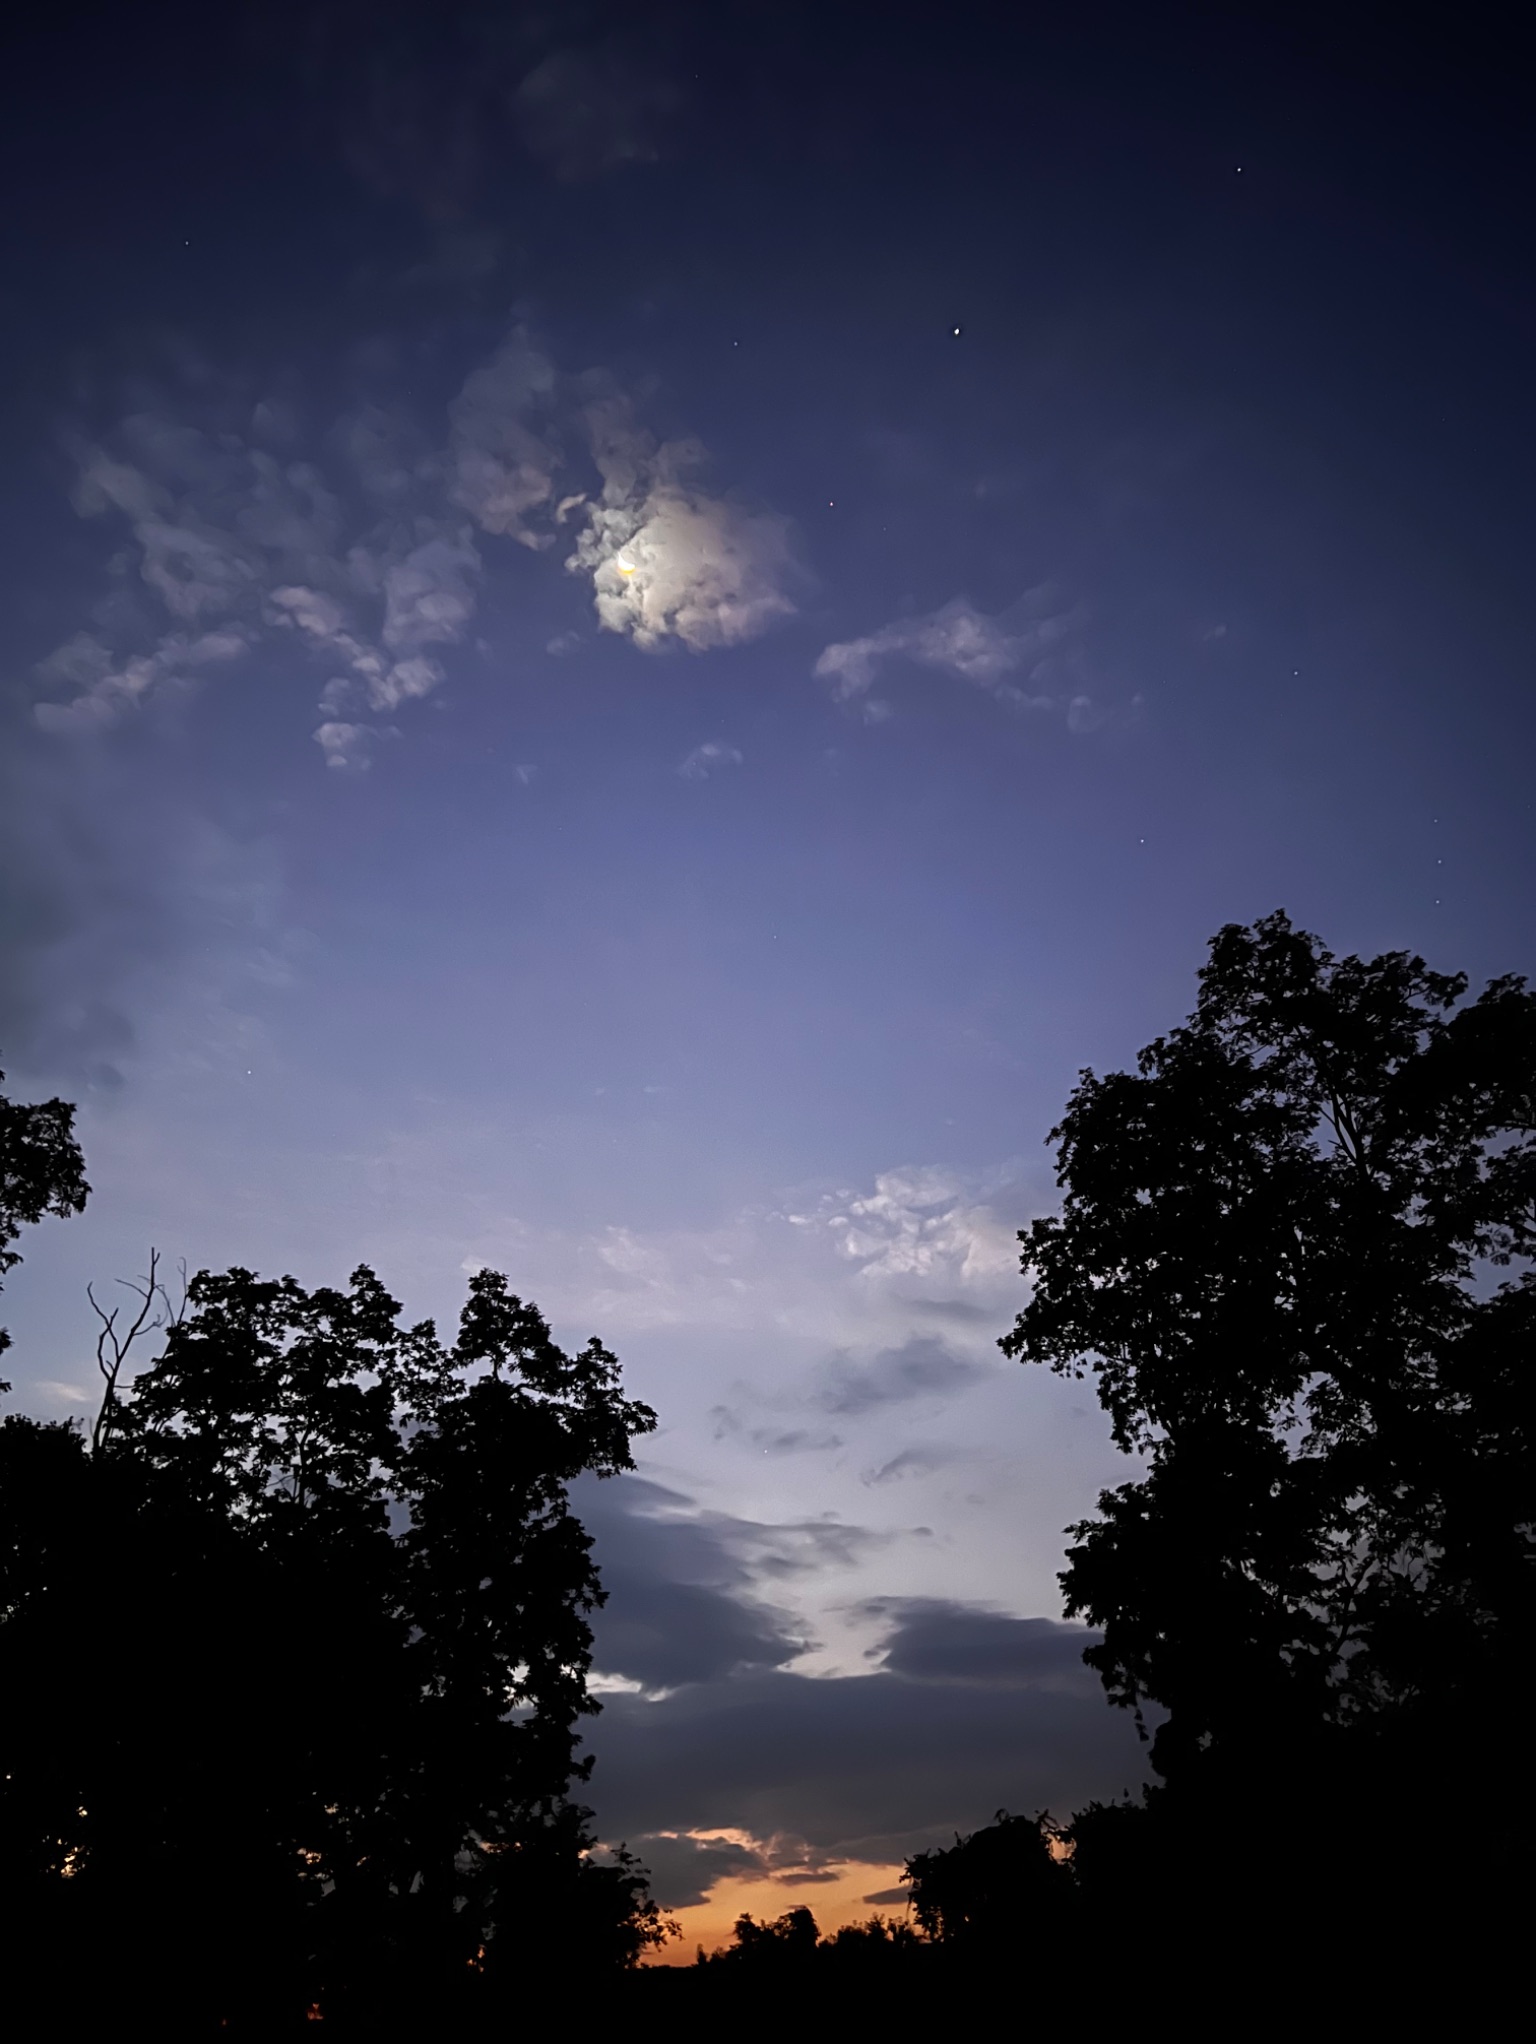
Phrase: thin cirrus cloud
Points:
(958, 639)
(373, 559)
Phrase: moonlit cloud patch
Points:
(374, 563)
(685, 567)
(668, 560)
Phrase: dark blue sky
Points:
(627, 639)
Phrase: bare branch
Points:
(112, 1347)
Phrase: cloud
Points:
(774, 1440)
(582, 113)
(935, 1639)
(918, 1223)
(108, 686)
(919, 1461)
(680, 1582)
(921, 1368)
(695, 1595)
(867, 1767)
(817, 1271)
(504, 455)
(683, 1868)
(741, 1764)
(705, 760)
(667, 560)
(957, 639)
(428, 600)
(233, 543)
(373, 564)
(348, 748)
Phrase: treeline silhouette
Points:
(261, 1623)
(295, 1647)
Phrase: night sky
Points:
(629, 634)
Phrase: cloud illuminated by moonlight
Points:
(667, 559)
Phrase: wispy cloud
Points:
(582, 112)
(708, 759)
(961, 640)
(921, 1368)
(231, 540)
(107, 685)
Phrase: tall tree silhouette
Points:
(296, 1659)
(1295, 1253)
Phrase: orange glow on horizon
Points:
(833, 1903)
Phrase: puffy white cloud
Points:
(919, 1223)
(428, 597)
(707, 759)
(957, 639)
(348, 748)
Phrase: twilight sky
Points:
(629, 635)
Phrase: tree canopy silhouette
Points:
(41, 1172)
(994, 1892)
(1295, 1253)
(297, 1656)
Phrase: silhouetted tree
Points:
(1295, 1252)
(41, 1172)
(295, 1661)
(994, 1892)
(788, 1940)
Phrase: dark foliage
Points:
(999, 1890)
(41, 1172)
(295, 1661)
(1295, 1253)
(296, 1644)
